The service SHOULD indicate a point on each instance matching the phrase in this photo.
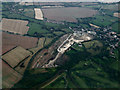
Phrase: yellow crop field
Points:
(116, 15)
(15, 26)
(15, 56)
(38, 14)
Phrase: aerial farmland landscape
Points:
(63, 44)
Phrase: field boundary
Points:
(22, 61)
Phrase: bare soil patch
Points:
(47, 54)
(15, 26)
(116, 15)
(38, 14)
(68, 14)
(9, 76)
(10, 41)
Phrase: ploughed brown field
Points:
(68, 14)
(10, 41)
(9, 76)
(15, 26)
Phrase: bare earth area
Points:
(41, 58)
(116, 15)
(38, 14)
(94, 25)
(10, 41)
(68, 14)
(9, 76)
(15, 26)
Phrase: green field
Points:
(105, 16)
(93, 6)
(93, 47)
(35, 76)
(36, 29)
(58, 33)
(48, 41)
(59, 83)
(66, 30)
(103, 20)
(77, 47)
(72, 25)
(115, 27)
(110, 7)
(53, 25)
(88, 72)
(79, 82)
(84, 25)
(103, 6)
(29, 13)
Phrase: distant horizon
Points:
(108, 1)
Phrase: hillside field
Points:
(15, 56)
(10, 41)
(15, 26)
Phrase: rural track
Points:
(72, 80)
(49, 81)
